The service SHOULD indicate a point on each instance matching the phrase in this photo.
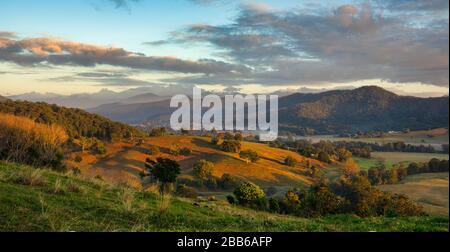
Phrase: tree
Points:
(324, 157)
(343, 154)
(249, 155)
(433, 165)
(153, 150)
(232, 146)
(228, 136)
(350, 168)
(238, 136)
(164, 170)
(215, 140)
(290, 161)
(203, 169)
(248, 193)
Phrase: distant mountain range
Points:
(86, 100)
(363, 109)
(338, 111)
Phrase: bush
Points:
(78, 159)
(186, 191)
(290, 161)
(232, 146)
(153, 150)
(324, 157)
(231, 199)
(271, 191)
(211, 183)
(248, 193)
(228, 182)
(185, 151)
(249, 155)
(203, 169)
(215, 140)
(274, 206)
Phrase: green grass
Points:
(91, 205)
(390, 158)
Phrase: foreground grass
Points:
(48, 201)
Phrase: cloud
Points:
(59, 52)
(6, 34)
(123, 3)
(348, 43)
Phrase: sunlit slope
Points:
(124, 161)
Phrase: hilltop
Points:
(64, 202)
(363, 109)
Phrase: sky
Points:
(79, 46)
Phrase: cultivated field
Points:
(390, 158)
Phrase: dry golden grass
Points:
(124, 161)
(19, 134)
(429, 189)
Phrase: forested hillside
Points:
(76, 122)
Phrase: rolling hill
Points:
(124, 161)
(2, 99)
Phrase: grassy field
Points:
(434, 137)
(124, 161)
(41, 200)
(430, 190)
(390, 158)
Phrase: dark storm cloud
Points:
(58, 52)
(349, 43)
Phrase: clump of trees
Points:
(348, 195)
(176, 150)
(382, 175)
(157, 132)
(249, 156)
(232, 146)
(22, 140)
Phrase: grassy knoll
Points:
(42, 200)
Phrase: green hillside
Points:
(42, 200)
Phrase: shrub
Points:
(78, 159)
(76, 171)
(185, 151)
(270, 191)
(290, 161)
(31, 177)
(274, 206)
(228, 182)
(249, 155)
(215, 140)
(324, 157)
(203, 169)
(186, 191)
(248, 193)
(211, 183)
(232, 146)
(231, 199)
(153, 150)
